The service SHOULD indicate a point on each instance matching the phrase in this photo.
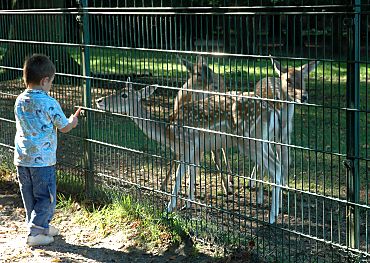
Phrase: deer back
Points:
(225, 113)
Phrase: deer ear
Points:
(307, 68)
(277, 66)
(147, 92)
(128, 83)
(207, 74)
(186, 63)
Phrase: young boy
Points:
(38, 116)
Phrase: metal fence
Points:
(211, 54)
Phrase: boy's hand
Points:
(77, 113)
(73, 119)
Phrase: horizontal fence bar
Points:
(227, 134)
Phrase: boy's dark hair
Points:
(36, 68)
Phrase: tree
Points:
(41, 31)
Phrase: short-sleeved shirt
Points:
(37, 116)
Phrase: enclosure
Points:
(101, 47)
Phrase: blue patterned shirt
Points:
(37, 116)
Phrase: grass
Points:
(110, 210)
(121, 213)
(116, 210)
(121, 131)
(235, 71)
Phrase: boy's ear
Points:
(45, 80)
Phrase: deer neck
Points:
(273, 88)
(153, 130)
(284, 108)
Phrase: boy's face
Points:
(46, 83)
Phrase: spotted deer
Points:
(288, 89)
(218, 121)
(202, 79)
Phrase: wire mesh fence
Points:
(252, 115)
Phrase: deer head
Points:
(125, 101)
(201, 76)
(292, 80)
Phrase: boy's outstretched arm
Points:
(73, 121)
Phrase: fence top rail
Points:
(325, 9)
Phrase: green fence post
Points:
(85, 57)
(353, 128)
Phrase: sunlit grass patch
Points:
(145, 226)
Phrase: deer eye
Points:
(124, 95)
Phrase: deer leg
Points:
(252, 182)
(286, 130)
(230, 179)
(168, 175)
(260, 185)
(284, 155)
(226, 183)
(275, 204)
(193, 168)
(270, 163)
(274, 168)
(267, 158)
(268, 134)
(282, 152)
(181, 169)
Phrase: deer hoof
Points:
(170, 208)
(272, 219)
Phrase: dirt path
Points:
(82, 244)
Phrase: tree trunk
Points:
(294, 41)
